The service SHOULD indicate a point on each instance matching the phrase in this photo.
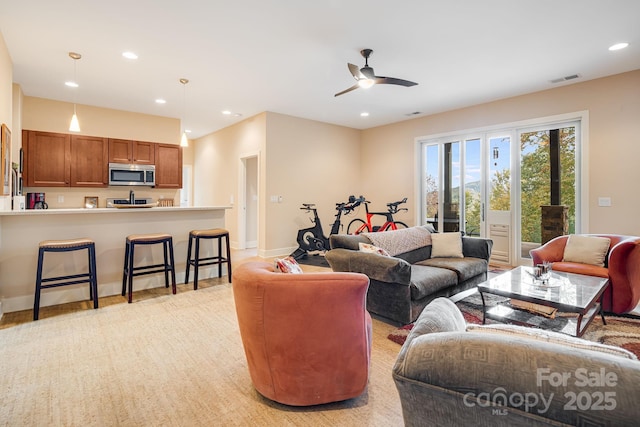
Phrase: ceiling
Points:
(290, 57)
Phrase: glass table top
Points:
(562, 289)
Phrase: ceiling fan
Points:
(365, 77)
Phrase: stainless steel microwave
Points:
(132, 174)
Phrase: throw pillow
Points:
(446, 245)
(586, 249)
(288, 265)
(366, 247)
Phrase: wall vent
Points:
(565, 78)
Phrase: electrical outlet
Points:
(60, 199)
(604, 201)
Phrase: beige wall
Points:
(217, 167)
(54, 116)
(6, 108)
(304, 161)
(613, 104)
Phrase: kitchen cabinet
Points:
(125, 151)
(89, 161)
(168, 166)
(47, 159)
(63, 160)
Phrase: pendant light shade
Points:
(74, 126)
(184, 142)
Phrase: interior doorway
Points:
(249, 198)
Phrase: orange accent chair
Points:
(306, 337)
(622, 267)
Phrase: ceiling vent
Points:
(565, 78)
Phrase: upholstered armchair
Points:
(449, 373)
(621, 266)
(306, 337)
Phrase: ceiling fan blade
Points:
(393, 81)
(354, 87)
(355, 71)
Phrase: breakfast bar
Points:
(21, 232)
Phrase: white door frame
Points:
(242, 197)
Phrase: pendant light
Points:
(184, 142)
(74, 126)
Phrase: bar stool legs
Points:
(197, 262)
(129, 271)
(74, 279)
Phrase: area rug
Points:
(619, 331)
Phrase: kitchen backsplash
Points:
(69, 198)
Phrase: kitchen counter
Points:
(21, 232)
(109, 210)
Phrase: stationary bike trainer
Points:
(313, 239)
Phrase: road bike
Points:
(358, 226)
(313, 238)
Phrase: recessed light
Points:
(187, 130)
(618, 46)
(71, 84)
(237, 115)
(364, 114)
(160, 101)
(129, 55)
(226, 112)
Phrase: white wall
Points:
(6, 99)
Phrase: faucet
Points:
(132, 198)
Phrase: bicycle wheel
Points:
(400, 224)
(355, 225)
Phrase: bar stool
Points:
(214, 233)
(129, 271)
(74, 279)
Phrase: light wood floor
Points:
(237, 257)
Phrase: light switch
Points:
(604, 201)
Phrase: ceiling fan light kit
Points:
(366, 77)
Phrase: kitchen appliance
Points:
(35, 201)
(132, 174)
(112, 203)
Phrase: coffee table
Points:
(567, 292)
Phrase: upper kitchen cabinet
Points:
(125, 151)
(168, 166)
(47, 159)
(89, 166)
(63, 160)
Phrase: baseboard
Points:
(74, 293)
(276, 252)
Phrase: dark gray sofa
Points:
(402, 285)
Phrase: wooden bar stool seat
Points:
(73, 279)
(214, 233)
(129, 271)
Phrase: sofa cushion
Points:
(579, 268)
(447, 245)
(400, 241)
(586, 249)
(366, 247)
(465, 268)
(347, 241)
(426, 280)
